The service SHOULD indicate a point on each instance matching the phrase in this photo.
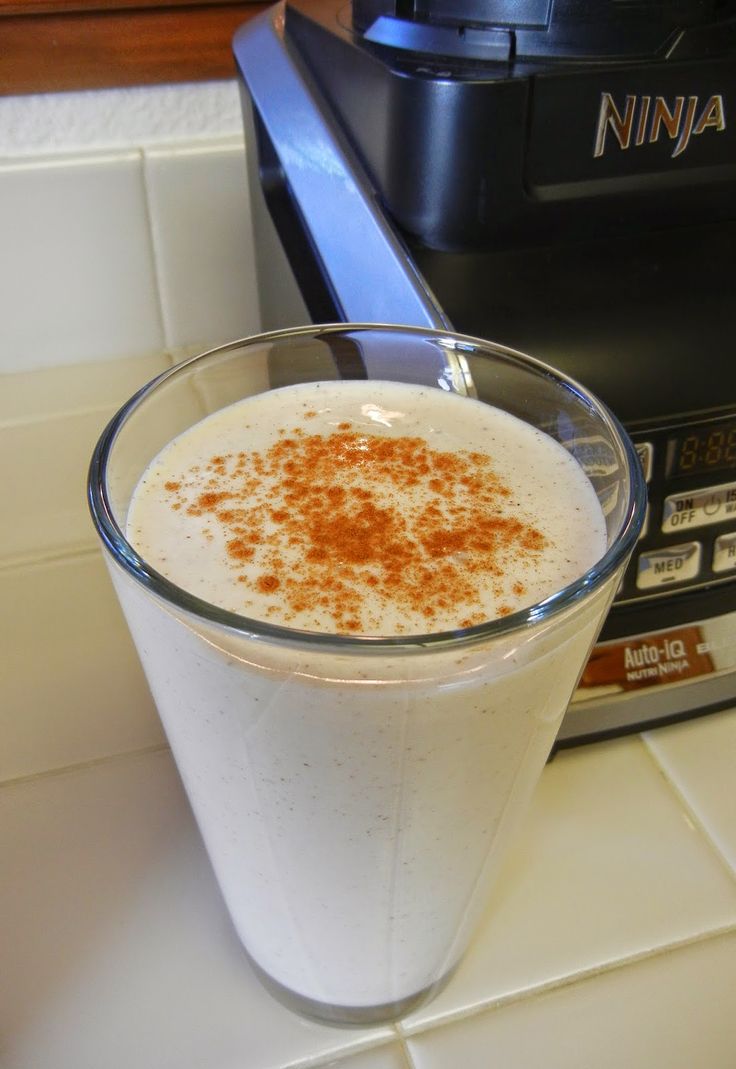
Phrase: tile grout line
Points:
(405, 1051)
(549, 986)
(42, 419)
(78, 552)
(58, 158)
(690, 812)
(326, 1060)
(156, 257)
(195, 146)
(82, 766)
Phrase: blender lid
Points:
(507, 30)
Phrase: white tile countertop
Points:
(610, 941)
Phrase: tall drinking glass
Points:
(355, 794)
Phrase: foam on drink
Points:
(366, 508)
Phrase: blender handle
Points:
(364, 264)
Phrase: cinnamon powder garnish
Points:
(342, 525)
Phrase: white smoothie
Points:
(353, 801)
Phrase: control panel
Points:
(689, 534)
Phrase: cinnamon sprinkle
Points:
(322, 521)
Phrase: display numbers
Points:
(708, 449)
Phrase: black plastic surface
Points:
(646, 321)
(474, 153)
(541, 28)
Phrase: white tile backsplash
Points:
(43, 471)
(124, 253)
(114, 263)
(73, 690)
(77, 274)
(35, 395)
(203, 244)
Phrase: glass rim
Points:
(125, 555)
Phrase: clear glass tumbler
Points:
(355, 794)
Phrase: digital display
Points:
(703, 449)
